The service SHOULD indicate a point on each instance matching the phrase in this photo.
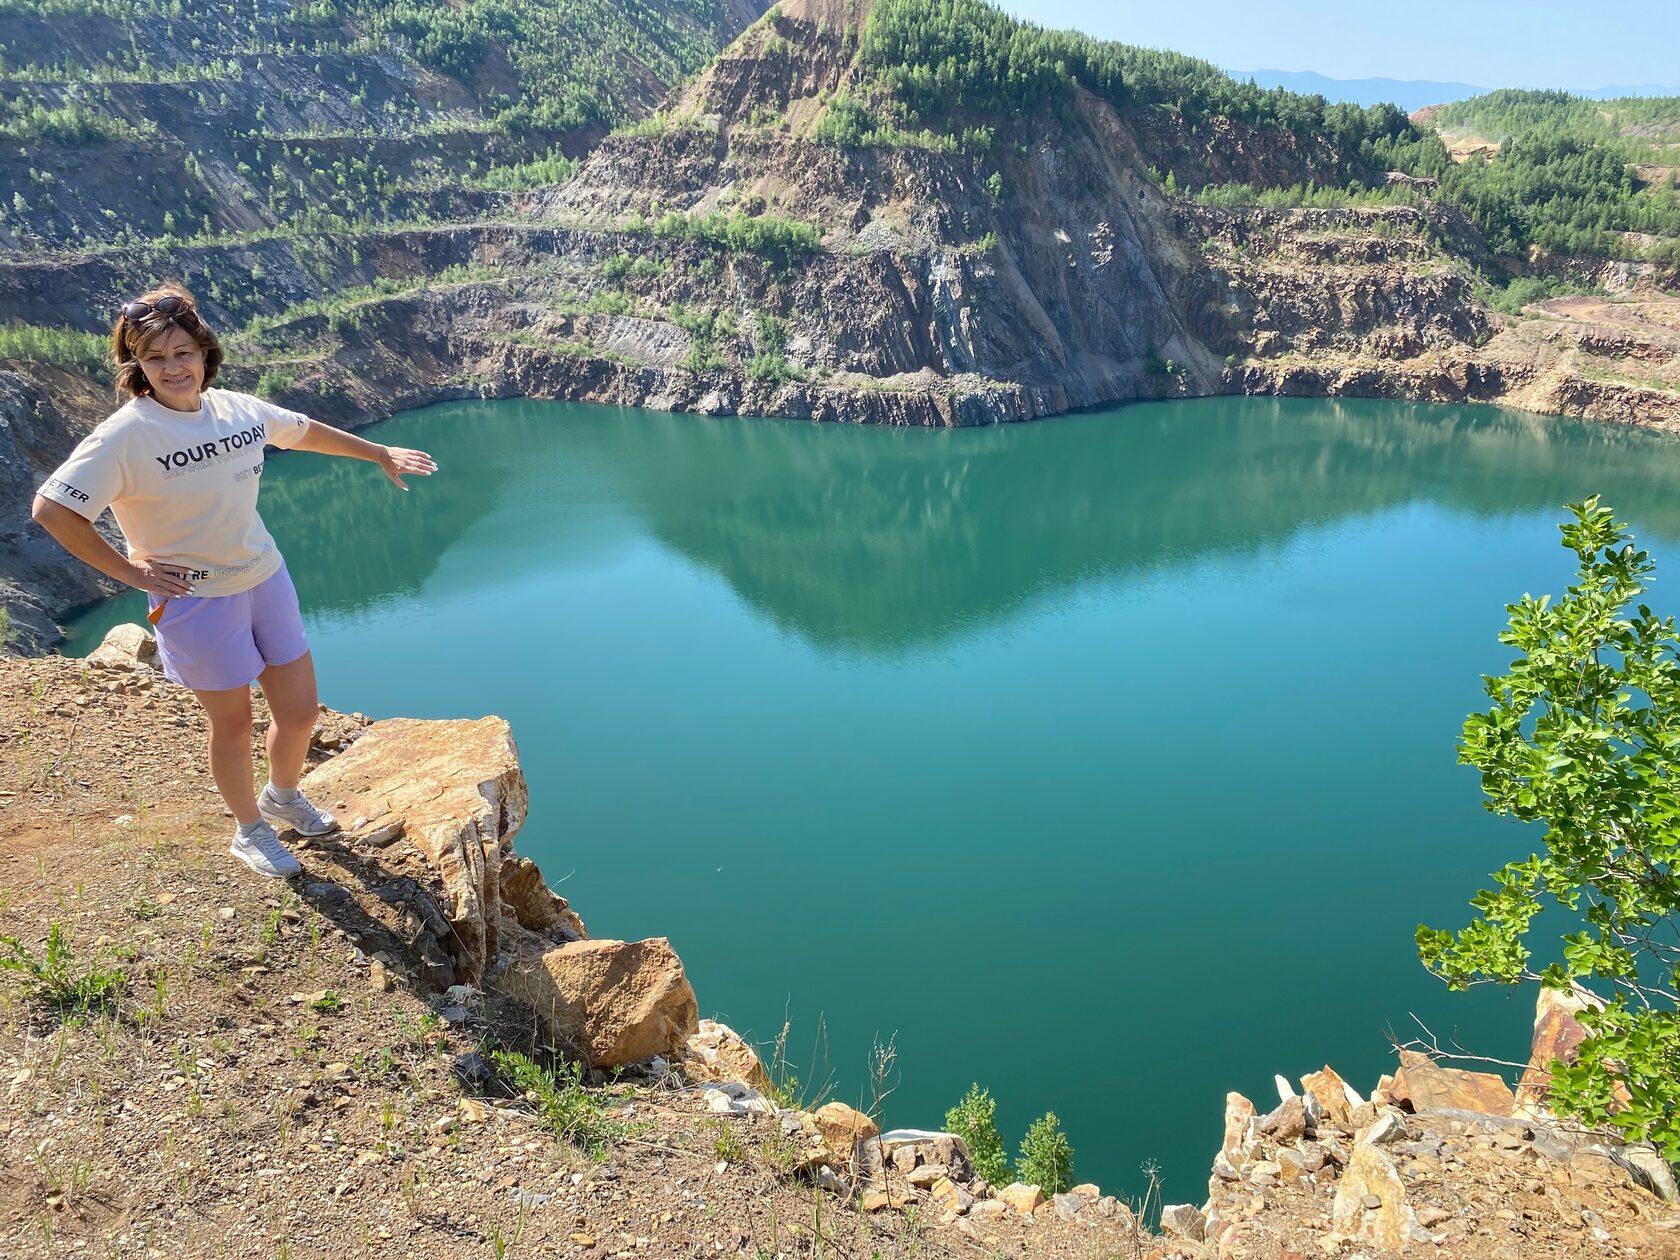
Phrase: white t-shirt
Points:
(183, 484)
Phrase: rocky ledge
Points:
(1433, 1160)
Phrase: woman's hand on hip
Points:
(166, 580)
(399, 462)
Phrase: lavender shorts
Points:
(218, 642)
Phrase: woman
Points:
(178, 465)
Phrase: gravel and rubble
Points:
(281, 1071)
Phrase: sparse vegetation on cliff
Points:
(781, 241)
(56, 347)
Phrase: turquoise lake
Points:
(1108, 761)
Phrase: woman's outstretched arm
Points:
(397, 461)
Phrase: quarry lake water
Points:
(1107, 761)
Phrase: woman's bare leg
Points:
(293, 705)
(230, 749)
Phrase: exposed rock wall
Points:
(1043, 273)
(441, 801)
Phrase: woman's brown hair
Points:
(130, 337)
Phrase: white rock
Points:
(1648, 1169)
(1185, 1220)
(1285, 1090)
(1388, 1128)
(735, 1099)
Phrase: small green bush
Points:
(974, 1119)
(1046, 1158)
(273, 384)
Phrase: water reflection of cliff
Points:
(884, 540)
(873, 540)
(352, 540)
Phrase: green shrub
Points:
(974, 1119)
(555, 168)
(781, 241)
(273, 384)
(56, 347)
(1046, 1158)
(770, 364)
(1583, 738)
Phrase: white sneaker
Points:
(262, 851)
(298, 814)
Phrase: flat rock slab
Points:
(454, 792)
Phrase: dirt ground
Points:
(257, 1088)
(252, 1093)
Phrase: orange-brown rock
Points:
(1022, 1199)
(533, 904)
(454, 794)
(1331, 1092)
(609, 1002)
(1558, 1035)
(1286, 1122)
(1370, 1205)
(1421, 1084)
(1238, 1112)
(842, 1128)
(715, 1052)
(950, 1196)
(877, 1199)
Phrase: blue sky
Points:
(1489, 43)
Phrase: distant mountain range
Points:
(1411, 94)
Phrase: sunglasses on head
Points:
(168, 305)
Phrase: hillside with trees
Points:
(1563, 175)
(907, 211)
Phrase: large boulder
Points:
(453, 793)
(842, 1128)
(1333, 1097)
(609, 1002)
(533, 904)
(1421, 1084)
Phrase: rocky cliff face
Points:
(722, 258)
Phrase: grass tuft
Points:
(56, 979)
(574, 1114)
